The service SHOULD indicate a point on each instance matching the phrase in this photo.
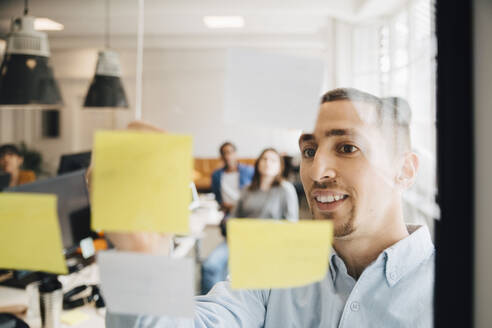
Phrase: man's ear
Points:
(408, 170)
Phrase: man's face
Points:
(229, 155)
(10, 163)
(346, 169)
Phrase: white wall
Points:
(483, 162)
(184, 93)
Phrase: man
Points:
(355, 166)
(228, 181)
(11, 161)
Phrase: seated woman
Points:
(11, 161)
(268, 196)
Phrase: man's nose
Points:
(323, 168)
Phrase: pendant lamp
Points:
(26, 78)
(106, 90)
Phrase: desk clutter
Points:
(61, 302)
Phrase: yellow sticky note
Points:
(30, 237)
(74, 317)
(141, 182)
(277, 254)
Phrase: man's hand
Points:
(144, 242)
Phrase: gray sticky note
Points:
(136, 283)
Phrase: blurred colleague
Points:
(268, 196)
(11, 161)
(355, 166)
(228, 181)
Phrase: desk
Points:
(28, 297)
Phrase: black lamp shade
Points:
(27, 81)
(106, 91)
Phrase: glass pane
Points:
(302, 112)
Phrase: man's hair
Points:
(9, 149)
(225, 144)
(255, 182)
(349, 94)
(400, 115)
(393, 112)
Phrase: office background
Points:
(191, 73)
(185, 64)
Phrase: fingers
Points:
(143, 126)
(142, 242)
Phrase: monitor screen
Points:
(73, 205)
(74, 162)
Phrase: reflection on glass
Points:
(403, 65)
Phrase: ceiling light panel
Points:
(46, 24)
(223, 21)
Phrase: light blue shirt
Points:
(396, 290)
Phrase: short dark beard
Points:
(346, 229)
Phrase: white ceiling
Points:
(183, 18)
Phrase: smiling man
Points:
(355, 166)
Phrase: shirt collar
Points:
(336, 264)
(401, 258)
(408, 253)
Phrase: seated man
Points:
(11, 161)
(228, 181)
(355, 166)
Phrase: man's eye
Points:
(309, 152)
(348, 149)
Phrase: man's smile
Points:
(328, 200)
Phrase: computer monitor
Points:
(73, 205)
(4, 180)
(74, 162)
